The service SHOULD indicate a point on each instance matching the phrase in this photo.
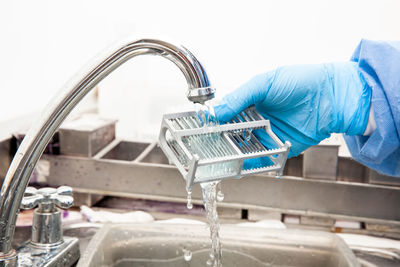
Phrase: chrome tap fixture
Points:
(47, 236)
(39, 135)
(46, 228)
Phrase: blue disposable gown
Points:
(380, 64)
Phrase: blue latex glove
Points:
(304, 103)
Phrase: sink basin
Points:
(157, 244)
(126, 151)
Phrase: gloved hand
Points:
(304, 103)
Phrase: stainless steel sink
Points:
(156, 244)
(124, 150)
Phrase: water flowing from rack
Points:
(210, 205)
(207, 118)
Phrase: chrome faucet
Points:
(38, 136)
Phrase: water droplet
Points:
(187, 255)
(220, 196)
(212, 256)
(209, 262)
(189, 204)
(247, 134)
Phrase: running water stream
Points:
(206, 115)
(210, 205)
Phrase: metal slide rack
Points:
(204, 154)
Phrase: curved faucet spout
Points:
(39, 135)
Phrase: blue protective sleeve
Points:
(379, 62)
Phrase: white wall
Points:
(43, 43)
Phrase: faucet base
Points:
(64, 254)
(9, 259)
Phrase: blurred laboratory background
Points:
(44, 43)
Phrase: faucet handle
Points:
(64, 190)
(30, 199)
(61, 197)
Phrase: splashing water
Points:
(210, 205)
(187, 255)
(206, 115)
(220, 195)
(247, 134)
(210, 146)
(189, 204)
